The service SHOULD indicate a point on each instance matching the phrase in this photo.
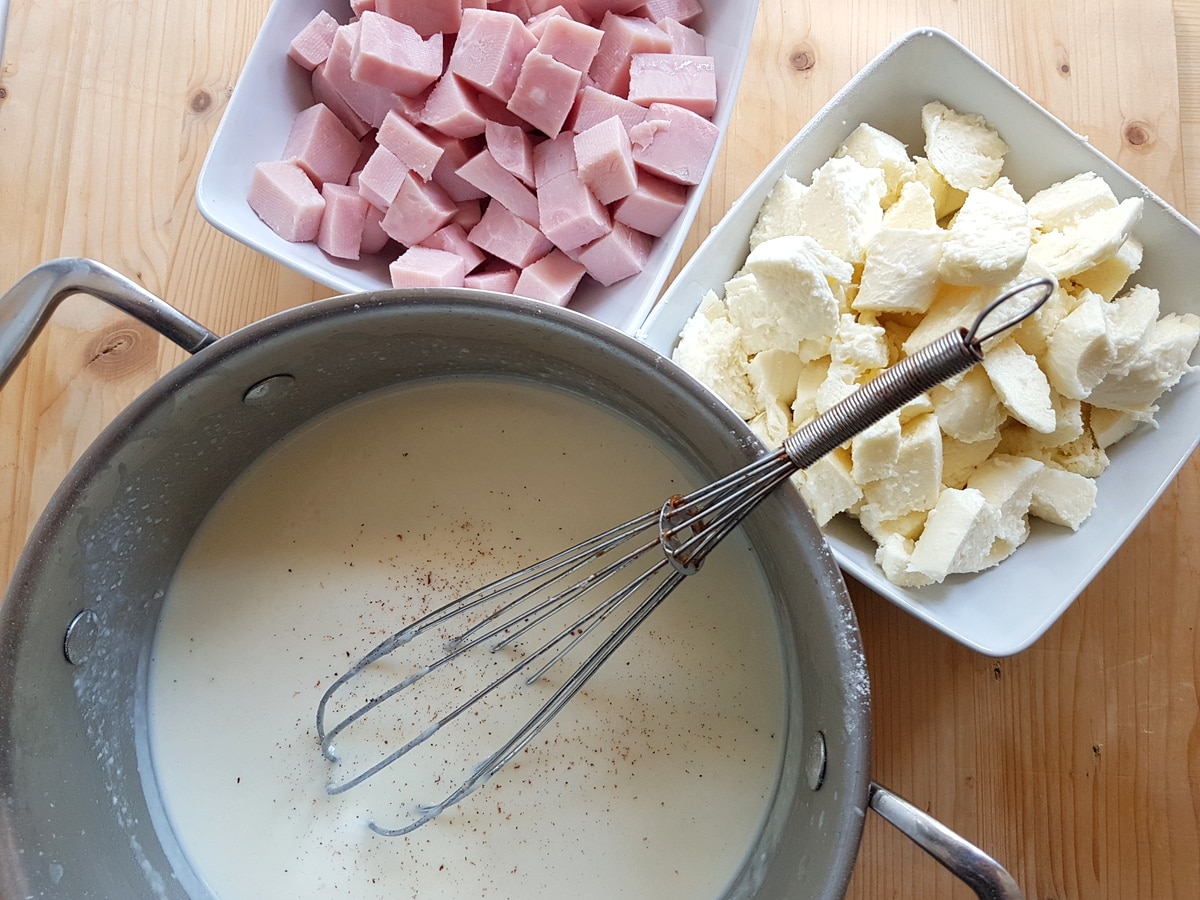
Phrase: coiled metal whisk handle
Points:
(689, 527)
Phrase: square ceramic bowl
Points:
(272, 90)
(1004, 609)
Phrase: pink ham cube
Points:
(311, 46)
(623, 37)
(321, 145)
(452, 109)
(684, 39)
(536, 23)
(426, 267)
(490, 48)
(596, 9)
(455, 152)
(409, 144)
(341, 231)
(553, 278)
(370, 103)
(497, 182)
(426, 17)
(684, 11)
(374, 238)
(593, 106)
(545, 92)
(512, 148)
(653, 206)
(687, 81)
(569, 215)
(571, 43)
(553, 157)
(453, 239)
(618, 255)
(508, 237)
(324, 92)
(605, 159)
(469, 213)
(674, 143)
(493, 276)
(282, 195)
(390, 54)
(380, 179)
(420, 209)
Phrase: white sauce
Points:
(652, 783)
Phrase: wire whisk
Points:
(591, 597)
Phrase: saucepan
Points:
(80, 804)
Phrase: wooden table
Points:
(1076, 763)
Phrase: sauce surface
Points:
(651, 783)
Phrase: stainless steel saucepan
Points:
(81, 815)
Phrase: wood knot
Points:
(200, 101)
(119, 352)
(1137, 134)
(3, 93)
(803, 58)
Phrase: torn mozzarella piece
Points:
(1079, 351)
(842, 207)
(1020, 384)
(901, 270)
(828, 487)
(988, 238)
(1085, 244)
(1062, 497)
(958, 535)
(963, 147)
(710, 348)
(879, 150)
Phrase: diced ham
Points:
(380, 179)
(426, 267)
(552, 158)
(409, 144)
(452, 109)
(597, 9)
(490, 48)
(593, 106)
(374, 238)
(553, 278)
(453, 239)
(391, 55)
(469, 213)
(512, 148)
(544, 92)
(321, 145)
(325, 92)
(623, 37)
(687, 81)
(571, 43)
(493, 276)
(282, 195)
(311, 46)
(537, 22)
(619, 254)
(426, 17)
(370, 103)
(684, 11)
(569, 215)
(684, 40)
(605, 159)
(674, 143)
(455, 152)
(653, 206)
(497, 182)
(420, 209)
(571, 8)
(509, 237)
(341, 231)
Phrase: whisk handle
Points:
(950, 355)
(946, 357)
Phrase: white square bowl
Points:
(271, 90)
(1004, 609)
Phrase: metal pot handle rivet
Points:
(80, 636)
(814, 761)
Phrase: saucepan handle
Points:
(986, 877)
(27, 305)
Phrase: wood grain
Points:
(1075, 763)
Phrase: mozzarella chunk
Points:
(988, 238)
(1020, 384)
(958, 535)
(1062, 497)
(901, 270)
(964, 148)
(1079, 351)
(877, 149)
(842, 208)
